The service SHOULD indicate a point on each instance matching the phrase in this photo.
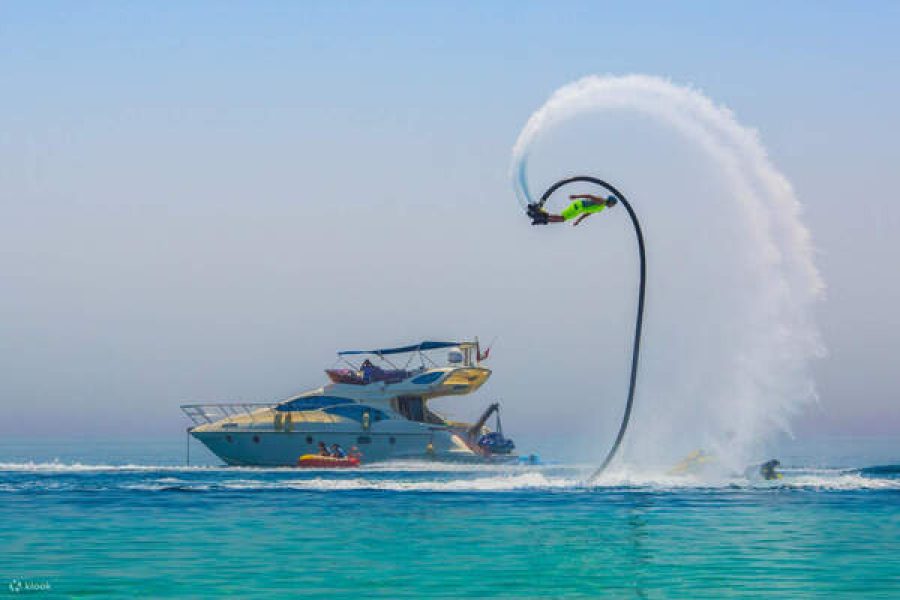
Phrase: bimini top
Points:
(428, 345)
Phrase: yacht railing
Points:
(202, 414)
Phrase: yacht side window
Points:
(356, 412)
(428, 378)
(312, 403)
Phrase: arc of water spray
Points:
(639, 318)
(767, 375)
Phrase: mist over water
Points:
(729, 330)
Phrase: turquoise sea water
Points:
(73, 525)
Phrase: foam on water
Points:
(77, 467)
(500, 483)
(28, 477)
(749, 375)
(400, 466)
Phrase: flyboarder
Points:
(581, 207)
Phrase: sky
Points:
(205, 201)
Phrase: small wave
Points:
(845, 481)
(427, 466)
(170, 487)
(809, 479)
(880, 470)
(399, 466)
(536, 481)
(76, 467)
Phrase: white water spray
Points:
(750, 375)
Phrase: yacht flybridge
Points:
(377, 403)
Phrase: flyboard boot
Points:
(538, 215)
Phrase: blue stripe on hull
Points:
(277, 449)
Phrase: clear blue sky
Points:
(194, 194)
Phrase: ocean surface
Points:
(87, 520)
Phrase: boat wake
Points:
(54, 477)
(318, 483)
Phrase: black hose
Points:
(639, 321)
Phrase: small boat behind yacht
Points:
(376, 405)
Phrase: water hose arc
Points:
(639, 320)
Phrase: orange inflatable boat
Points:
(315, 461)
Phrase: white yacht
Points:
(377, 404)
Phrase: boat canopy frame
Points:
(414, 350)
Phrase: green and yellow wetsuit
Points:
(582, 207)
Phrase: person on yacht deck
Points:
(368, 371)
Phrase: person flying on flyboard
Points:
(581, 207)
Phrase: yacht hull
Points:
(282, 449)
